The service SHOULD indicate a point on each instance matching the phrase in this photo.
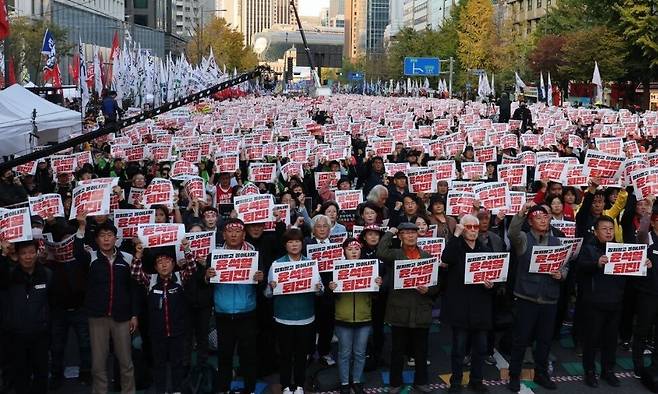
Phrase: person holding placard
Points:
(235, 315)
(466, 308)
(353, 325)
(408, 311)
(536, 296)
(602, 297)
(294, 315)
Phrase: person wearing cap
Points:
(536, 296)
(396, 191)
(294, 315)
(408, 311)
(353, 319)
(166, 307)
(602, 297)
(25, 299)
(111, 303)
(466, 308)
(235, 315)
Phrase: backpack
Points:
(202, 379)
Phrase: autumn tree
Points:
(583, 47)
(227, 45)
(477, 34)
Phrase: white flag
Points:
(596, 80)
(84, 89)
(549, 91)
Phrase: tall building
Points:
(426, 14)
(253, 16)
(365, 22)
(527, 13)
(336, 13)
(188, 17)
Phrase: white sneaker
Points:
(328, 360)
(411, 362)
(299, 390)
(286, 391)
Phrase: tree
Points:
(639, 20)
(477, 34)
(573, 15)
(582, 48)
(227, 45)
(25, 42)
(548, 56)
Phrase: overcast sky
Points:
(312, 7)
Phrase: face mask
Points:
(37, 233)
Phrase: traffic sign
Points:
(355, 76)
(422, 66)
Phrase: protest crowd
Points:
(267, 227)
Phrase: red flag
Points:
(11, 75)
(4, 20)
(114, 51)
(74, 69)
(90, 75)
(57, 77)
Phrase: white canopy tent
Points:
(54, 123)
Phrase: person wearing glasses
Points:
(466, 308)
(536, 296)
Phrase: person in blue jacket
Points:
(235, 316)
(294, 315)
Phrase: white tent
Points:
(54, 123)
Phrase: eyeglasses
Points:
(472, 226)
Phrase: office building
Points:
(526, 14)
(365, 22)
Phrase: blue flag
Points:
(48, 48)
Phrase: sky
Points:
(312, 7)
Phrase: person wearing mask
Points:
(324, 308)
(466, 308)
(353, 319)
(235, 316)
(294, 315)
(602, 297)
(25, 290)
(536, 296)
(166, 309)
(111, 303)
(408, 311)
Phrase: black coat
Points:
(464, 306)
(597, 287)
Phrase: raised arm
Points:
(136, 268)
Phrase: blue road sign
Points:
(422, 66)
(355, 76)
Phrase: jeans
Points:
(352, 344)
(168, 350)
(401, 338)
(533, 323)
(478, 339)
(237, 330)
(647, 316)
(294, 348)
(602, 327)
(61, 320)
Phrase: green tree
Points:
(227, 45)
(582, 48)
(477, 34)
(639, 20)
(25, 42)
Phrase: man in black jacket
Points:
(111, 303)
(24, 296)
(602, 303)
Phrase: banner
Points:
(159, 192)
(236, 267)
(338, 237)
(128, 220)
(444, 170)
(603, 165)
(514, 174)
(160, 152)
(517, 201)
(94, 198)
(551, 170)
(391, 168)
(27, 168)
(348, 199)
(15, 225)
(61, 252)
(201, 243)
(459, 203)
(254, 208)
(195, 187)
(421, 180)
(482, 267)
(291, 169)
(547, 259)
(262, 172)
(492, 195)
(611, 145)
(295, 277)
(160, 234)
(325, 255)
(354, 276)
(63, 164)
(410, 274)
(625, 259)
(485, 154)
(47, 205)
(574, 175)
(645, 182)
(433, 246)
(326, 180)
(227, 162)
(566, 226)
